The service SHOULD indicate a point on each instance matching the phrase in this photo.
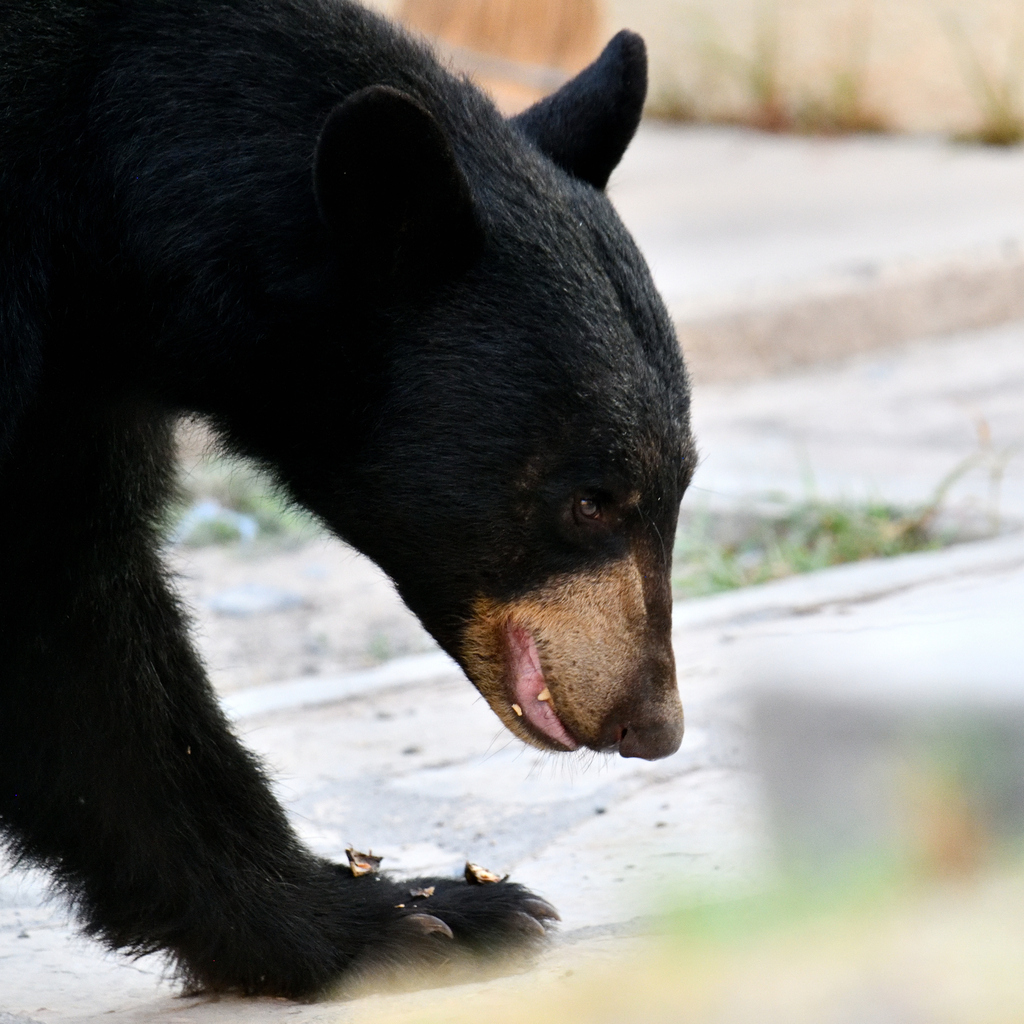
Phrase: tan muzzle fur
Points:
(604, 663)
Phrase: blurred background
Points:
(812, 65)
(830, 195)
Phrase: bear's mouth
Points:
(531, 698)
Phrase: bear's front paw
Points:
(444, 926)
(492, 917)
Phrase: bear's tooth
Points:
(544, 694)
(518, 710)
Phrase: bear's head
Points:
(526, 439)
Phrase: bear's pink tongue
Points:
(528, 684)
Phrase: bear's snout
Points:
(579, 662)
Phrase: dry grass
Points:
(996, 91)
(768, 101)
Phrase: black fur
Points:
(431, 334)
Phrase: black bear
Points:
(428, 323)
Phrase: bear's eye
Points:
(588, 508)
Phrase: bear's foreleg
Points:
(118, 771)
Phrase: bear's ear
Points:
(388, 185)
(586, 125)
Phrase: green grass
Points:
(238, 488)
(812, 535)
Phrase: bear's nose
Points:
(652, 739)
(648, 723)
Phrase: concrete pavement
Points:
(423, 774)
(776, 251)
(889, 426)
(729, 216)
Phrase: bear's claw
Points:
(426, 924)
(527, 924)
(541, 909)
